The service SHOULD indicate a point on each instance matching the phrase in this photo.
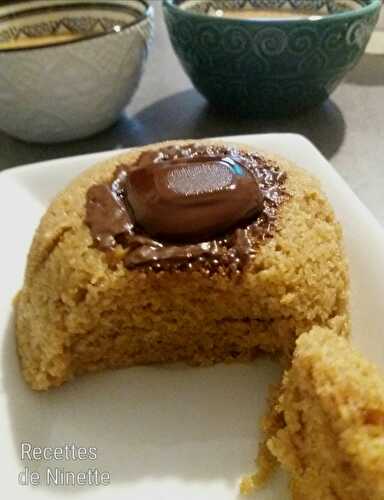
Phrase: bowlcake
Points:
(89, 303)
(331, 410)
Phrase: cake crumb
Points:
(331, 438)
(266, 465)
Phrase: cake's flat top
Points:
(282, 266)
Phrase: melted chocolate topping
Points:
(187, 207)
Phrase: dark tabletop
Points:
(348, 129)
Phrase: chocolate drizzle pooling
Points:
(197, 207)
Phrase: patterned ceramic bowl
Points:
(269, 66)
(69, 67)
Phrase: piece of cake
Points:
(198, 252)
(331, 412)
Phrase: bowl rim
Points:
(362, 10)
(147, 14)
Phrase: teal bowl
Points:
(266, 67)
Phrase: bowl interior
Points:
(270, 8)
(51, 22)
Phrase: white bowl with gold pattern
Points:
(69, 67)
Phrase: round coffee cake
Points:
(102, 290)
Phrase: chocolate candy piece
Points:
(191, 199)
(112, 222)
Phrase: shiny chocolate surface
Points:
(187, 207)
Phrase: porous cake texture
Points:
(82, 310)
(331, 413)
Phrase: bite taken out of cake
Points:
(199, 252)
(329, 421)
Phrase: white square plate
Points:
(167, 432)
